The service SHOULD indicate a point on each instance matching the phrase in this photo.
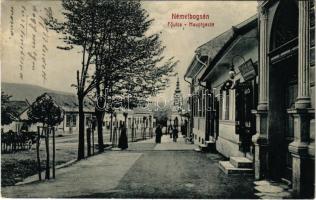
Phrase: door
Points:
(245, 121)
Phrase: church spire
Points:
(178, 86)
(177, 96)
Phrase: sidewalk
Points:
(82, 178)
(98, 174)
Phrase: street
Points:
(145, 170)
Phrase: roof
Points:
(19, 106)
(240, 29)
(213, 47)
(69, 102)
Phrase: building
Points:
(232, 77)
(16, 125)
(263, 93)
(140, 122)
(285, 139)
(68, 102)
(212, 108)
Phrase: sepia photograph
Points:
(158, 99)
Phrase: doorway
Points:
(245, 99)
(282, 96)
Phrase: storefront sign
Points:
(247, 70)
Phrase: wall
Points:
(199, 130)
(227, 141)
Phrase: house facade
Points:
(232, 78)
(263, 94)
(212, 108)
(284, 143)
(70, 124)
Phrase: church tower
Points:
(177, 96)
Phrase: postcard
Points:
(158, 99)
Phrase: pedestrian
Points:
(158, 134)
(170, 130)
(182, 129)
(123, 143)
(175, 134)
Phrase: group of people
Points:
(172, 130)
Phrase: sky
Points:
(40, 56)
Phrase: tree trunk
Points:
(81, 129)
(47, 174)
(92, 141)
(39, 169)
(54, 152)
(133, 130)
(89, 141)
(111, 128)
(99, 116)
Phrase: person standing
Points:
(123, 143)
(170, 130)
(158, 134)
(175, 134)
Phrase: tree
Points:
(129, 62)
(78, 30)
(162, 116)
(112, 37)
(44, 110)
(8, 112)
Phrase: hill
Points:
(20, 92)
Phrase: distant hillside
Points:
(20, 92)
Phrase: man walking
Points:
(175, 134)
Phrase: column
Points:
(303, 99)
(299, 152)
(263, 60)
(260, 139)
(301, 115)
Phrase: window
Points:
(220, 112)
(203, 103)
(88, 120)
(71, 120)
(129, 122)
(200, 103)
(226, 105)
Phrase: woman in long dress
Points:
(123, 143)
(158, 134)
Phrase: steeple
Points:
(178, 86)
(177, 96)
